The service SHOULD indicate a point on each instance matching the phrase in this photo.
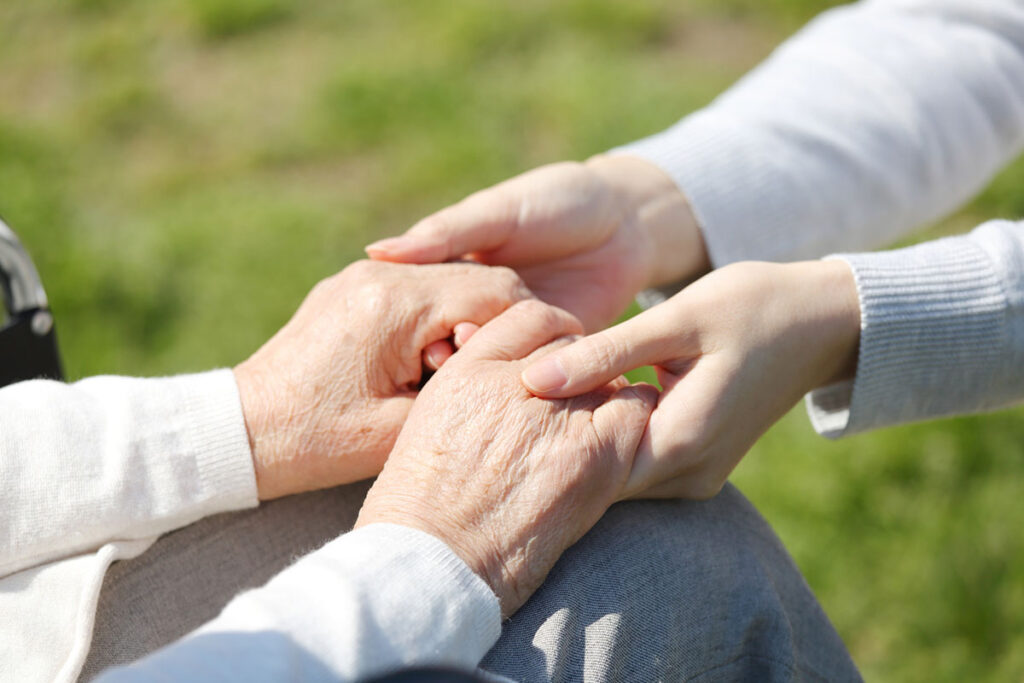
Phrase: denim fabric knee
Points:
(672, 591)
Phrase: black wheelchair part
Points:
(28, 338)
(430, 675)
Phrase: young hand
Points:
(585, 237)
(734, 352)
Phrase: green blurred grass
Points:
(184, 172)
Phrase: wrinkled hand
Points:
(507, 480)
(734, 352)
(585, 237)
(325, 398)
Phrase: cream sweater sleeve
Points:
(93, 472)
(875, 118)
(375, 600)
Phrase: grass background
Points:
(183, 172)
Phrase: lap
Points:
(659, 590)
(673, 590)
(189, 575)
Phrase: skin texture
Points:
(325, 398)
(585, 237)
(734, 352)
(507, 480)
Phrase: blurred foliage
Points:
(184, 172)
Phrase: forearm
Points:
(114, 458)
(372, 601)
(942, 332)
(874, 119)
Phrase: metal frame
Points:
(22, 287)
(28, 342)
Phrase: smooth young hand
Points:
(585, 237)
(734, 352)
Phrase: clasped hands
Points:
(527, 433)
(506, 479)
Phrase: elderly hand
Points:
(585, 237)
(507, 480)
(734, 352)
(325, 398)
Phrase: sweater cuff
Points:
(219, 439)
(428, 572)
(933, 338)
(377, 599)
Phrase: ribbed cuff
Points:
(432, 607)
(218, 439)
(933, 338)
(436, 568)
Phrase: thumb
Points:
(594, 361)
(481, 222)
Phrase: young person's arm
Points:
(889, 337)
(875, 118)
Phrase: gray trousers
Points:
(657, 591)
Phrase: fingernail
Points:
(386, 245)
(463, 331)
(403, 244)
(546, 375)
(433, 359)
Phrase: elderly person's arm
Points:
(485, 488)
(95, 471)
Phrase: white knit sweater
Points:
(93, 472)
(876, 118)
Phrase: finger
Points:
(596, 360)
(548, 213)
(481, 222)
(470, 293)
(519, 331)
(463, 332)
(436, 353)
(680, 445)
(622, 419)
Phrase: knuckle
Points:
(507, 278)
(325, 286)
(532, 309)
(363, 269)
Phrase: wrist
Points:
(661, 213)
(832, 284)
(259, 415)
